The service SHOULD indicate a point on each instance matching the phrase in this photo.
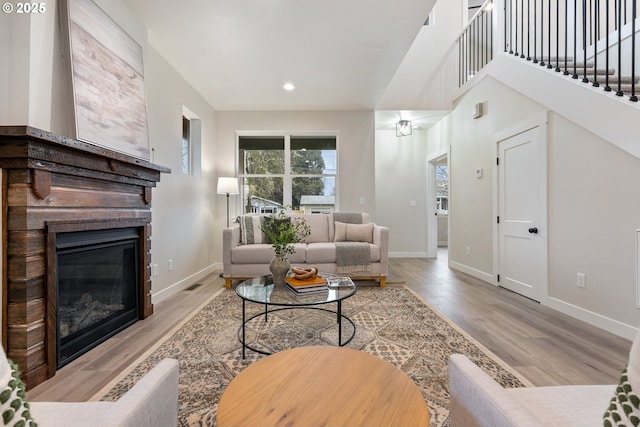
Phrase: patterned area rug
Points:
(392, 323)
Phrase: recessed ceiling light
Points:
(289, 86)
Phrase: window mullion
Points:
(287, 181)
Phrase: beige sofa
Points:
(242, 261)
(477, 400)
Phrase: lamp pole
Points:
(228, 185)
(227, 210)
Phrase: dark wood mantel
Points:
(52, 183)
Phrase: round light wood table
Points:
(322, 386)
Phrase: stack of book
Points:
(314, 284)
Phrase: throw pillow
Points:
(624, 407)
(353, 232)
(13, 404)
(251, 230)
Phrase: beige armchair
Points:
(151, 402)
(477, 400)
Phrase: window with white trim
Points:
(283, 171)
(191, 144)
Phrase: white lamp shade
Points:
(227, 185)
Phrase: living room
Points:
(591, 217)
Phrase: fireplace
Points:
(76, 234)
(96, 292)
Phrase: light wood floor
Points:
(546, 347)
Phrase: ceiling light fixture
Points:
(403, 128)
(289, 86)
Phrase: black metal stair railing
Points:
(571, 37)
(475, 43)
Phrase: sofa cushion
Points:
(325, 252)
(353, 232)
(319, 225)
(262, 253)
(251, 229)
(321, 253)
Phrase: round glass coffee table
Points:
(262, 290)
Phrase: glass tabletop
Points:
(263, 290)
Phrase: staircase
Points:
(602, 34)
(606, 78)
(545, 32)
(504, 41)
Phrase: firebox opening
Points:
(97, 288)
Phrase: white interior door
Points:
(522, 196)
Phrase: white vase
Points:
(279, 267)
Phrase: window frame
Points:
(194, 155)
(288, 175)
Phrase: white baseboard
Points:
(595, 319)
(181, 285)
(478, 274)
(407, 255)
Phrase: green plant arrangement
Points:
(283, 231)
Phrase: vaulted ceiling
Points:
(238, 54)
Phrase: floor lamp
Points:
(228, 185)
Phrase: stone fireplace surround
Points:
(52, 184)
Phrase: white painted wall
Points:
(471, 213)
(401, 177)
(15, 50)
(412, 86)
(31, 85)
(183, 206)
(594, 205)
(594, 212)
(5, 49)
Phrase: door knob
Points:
(533, 230)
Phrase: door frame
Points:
(540, 121)
(432, 220)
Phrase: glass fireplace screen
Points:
(97, 288)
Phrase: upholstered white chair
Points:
(477, 400)
(151, 402)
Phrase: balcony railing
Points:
(475, 43)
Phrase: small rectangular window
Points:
(186, 145)
(191, 144)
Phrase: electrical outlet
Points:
(170, 265)
(468, 250)
(154, 270)
(581, 280)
